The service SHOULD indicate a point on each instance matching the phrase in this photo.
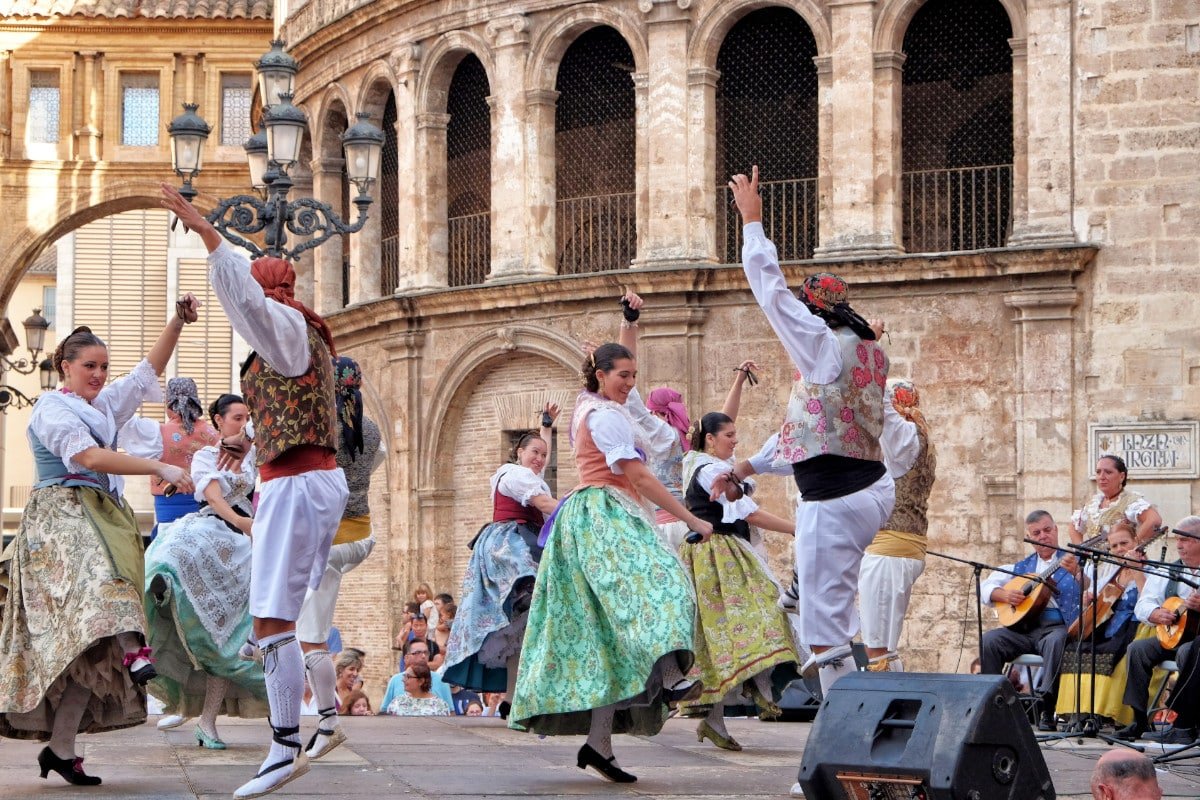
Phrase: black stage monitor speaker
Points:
(916, 736)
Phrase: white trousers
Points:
(885, 586)
(831, 536)
(293, 528)
(316, 614)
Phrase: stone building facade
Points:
(1024, 217)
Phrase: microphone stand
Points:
(978, 569)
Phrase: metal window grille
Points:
(139, 110)
(469, 175)
(44, 107)
(236, 94)
(767, 115)
(594, 146)
(389, 202)
(956, 186)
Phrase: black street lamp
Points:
(35, 339)
(270, 153)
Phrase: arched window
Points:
(389, 202)
(594, 150)
(956, 187)
(767, 115)
(469, 175)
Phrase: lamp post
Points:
(35, 339)
(271, 153)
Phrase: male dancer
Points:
(288, 385)
(830, 437)
(896, 558)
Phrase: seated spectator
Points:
(461, 698)
(1125, 775)
(441, 634)
(474, 709)
(418, 699)
(416, 652)
(347, 667)
(358, 705)
(405, 632)
(492, 701)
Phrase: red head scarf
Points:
(664, 400)
(278, 280)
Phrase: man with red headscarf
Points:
(288, 384)
(830, 440)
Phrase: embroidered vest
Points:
(699, 503)
(593, 468)
(1103, 518)
(179, 446)
(291, 412)
(506, 509)
(912, 492)
(843, 418)
(1066, 595)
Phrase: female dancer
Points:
(1112, 502)
(593, 662)
(176, 441)
(72, 642)
(742, 634)
(665, 425)
(197, 589)
(485, 646)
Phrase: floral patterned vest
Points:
(178, 446)
(291, 412)
(843, 418)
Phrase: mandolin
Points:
(1183, 629)
(1100, 610)
(1037, 589)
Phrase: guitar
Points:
(1183, 629)
(1037, 589)
(1100, 610)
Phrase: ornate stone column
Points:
(87, 137)
(512, 222)
(1043, 408)
(702, 164)
(662, 134)
(431, 160)
(404, 356)
(1046, 97)
(5, 106)
(540, 181)
(365, 251)
(412, 266)
(848, 216)
(327, 259)
(889, 87)
(669, 347)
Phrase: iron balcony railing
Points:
(389, 265)
(789, 218)
(596, 233)
(968, 208)
(470, 248)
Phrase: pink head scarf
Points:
(664, 400)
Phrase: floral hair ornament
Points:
(827, 296)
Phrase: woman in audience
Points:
(348, 665)
(418, 700)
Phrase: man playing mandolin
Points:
(1044, 632)
(1174, 607)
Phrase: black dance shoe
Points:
(1046, 722)
(1172, 735)
(684, 691)
(71, 769)
(588, 757)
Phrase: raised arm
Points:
(627, 336)
(186, 311)
(733, 400)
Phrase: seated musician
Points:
(1115, 629)
(1144, 654)
(1046, 635)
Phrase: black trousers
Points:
(1141, 658)
(1187, 686)
(1048, 640)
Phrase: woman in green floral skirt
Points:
(593, 662)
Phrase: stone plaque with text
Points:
(1150, 449)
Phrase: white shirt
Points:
(658, 437)
(204, 472)
(710, 468)
(66, 424)
(613, 436)
(278, 333)
(141, 437)
(812, 345)
(997, 579)
(520, 483)
(1155, 592)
